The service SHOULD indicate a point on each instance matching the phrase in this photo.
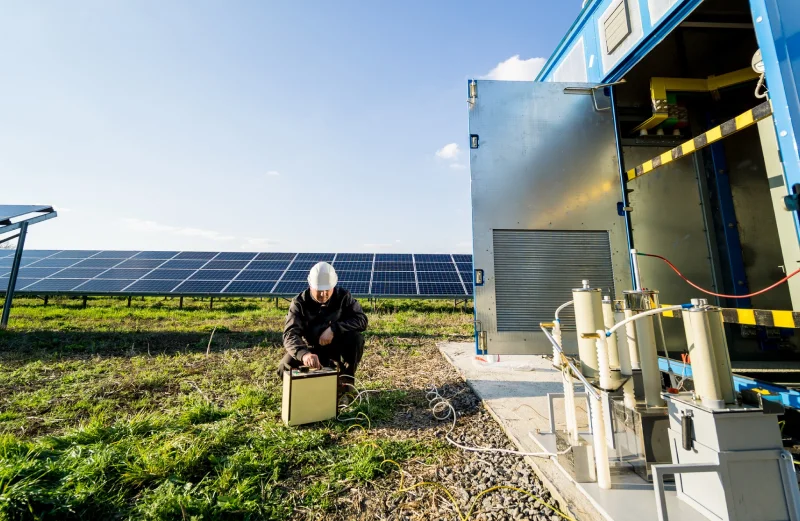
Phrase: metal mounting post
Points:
(12, 280)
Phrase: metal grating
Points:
(536, 270)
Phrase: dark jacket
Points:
(308, 319)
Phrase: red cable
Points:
(695, 286)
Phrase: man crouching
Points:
(324, 326)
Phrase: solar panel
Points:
(272, 275)
(214, 275)
(132, 274)
(357, 288)
(436, 266)
(316, 257)
(241, 273)
(200, 286)
(184, 264)
(163, 255)
(152, 286)
(290, 287)
(104, 285)
(441, 288)
(354, 276)
(295, 275)
(352, 266)
(354, 257)
(225, 265)
(115, 254)
(141, 263)
(393, 276)
(393, 288)
(267, 265)
(250, 286)
(54, 285)
(428, 257)
(394, 266)
(438, 276)
(163, 274)
(235, 256)
(275, 256)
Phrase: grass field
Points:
(112, 412)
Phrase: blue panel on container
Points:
(259, 275)
(184, 264)
(354, 276)
(164, 274)
(436, 266)
(441, 289)
(141, 263)
(104, 285)
(115, 254)
(356, 288)
(352, 266)
(152, 286)
(438, 276)
(200, 286)
(224, 265)
(75, 254)
(354, 257)
(79, 273)
(214, 275)
(275, 256)
(123, 274)
(54, 285)
(296, 276)
(207, 255)
(316, 257)
(393, 276)
(429, 257)
(98, 263)
(163, 255)
(250, 286)
(290, 287)
(394, 266)
(267, 265)
(393, 288)
(236, 256)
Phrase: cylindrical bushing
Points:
(701, 354)
(588, 319)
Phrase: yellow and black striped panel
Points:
(754, 317)
(736, 124)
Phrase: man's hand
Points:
(311, 360)
(326, 338)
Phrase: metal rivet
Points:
(783, 133)
(758, 20)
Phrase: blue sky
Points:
(254, 125)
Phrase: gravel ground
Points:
(464, 474)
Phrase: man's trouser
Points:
(344, 352)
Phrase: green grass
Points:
(112, 412)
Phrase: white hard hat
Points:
(322, 276)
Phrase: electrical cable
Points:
(695, 286)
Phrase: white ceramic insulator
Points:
(629, 395)
(633, 344)
(569, 406)
(701, 354)
(608, 321)
(599, 442)
(721, 356)
(648, 357)
(588, 319)
(602, 360)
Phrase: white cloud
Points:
(514, 69)
(257, 242)
(378, 245)
(273, 173)
(450, 152)
(458, 166)
(141, 225)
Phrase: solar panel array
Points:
(197, 273)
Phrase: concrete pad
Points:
(515, 393)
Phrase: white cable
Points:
(560, 308)
(642, 315)
(759, 94)
(438, 403)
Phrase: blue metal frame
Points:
(788, 397)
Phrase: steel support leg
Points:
(12, 279)
(85, 298)
(45, 299)
(211, 303)
(180, 304)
